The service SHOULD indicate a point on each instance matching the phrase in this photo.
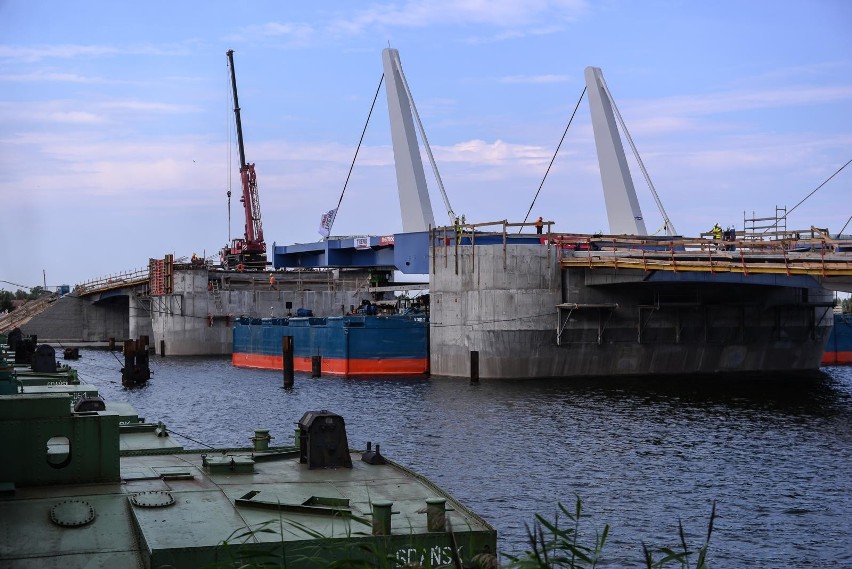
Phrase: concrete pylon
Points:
(622, 206)
(414, 204)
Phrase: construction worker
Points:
(716, 231)
(539, 225)
(272, 282)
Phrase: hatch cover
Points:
(72, 513)
(153, 499)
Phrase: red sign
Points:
(385, 240)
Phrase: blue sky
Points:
(116, 121)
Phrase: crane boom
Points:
(250, 251)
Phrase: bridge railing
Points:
(117, 280)
(23, 313)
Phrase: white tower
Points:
(622, 206)
(415, 207)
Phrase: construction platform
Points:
(812, 253)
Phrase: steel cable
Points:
(577, 106)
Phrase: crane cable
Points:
(360, 140)
(777, 221)
(558, 146)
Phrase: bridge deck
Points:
(820, 257)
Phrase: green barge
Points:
(82, 485)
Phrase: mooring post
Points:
(112, 344)
(382, 517)
(436, 514)
(287, 363)
(129, 362)
(474, 366)
(162, 348)
(316, 366)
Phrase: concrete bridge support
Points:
(198, 319)
(528, 317)
(73, 318)
(139, 318)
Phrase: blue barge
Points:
(838, 350)
(347, 345)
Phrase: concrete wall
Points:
(504, 307)
(73, 318)
(493, 304)
(196, 320)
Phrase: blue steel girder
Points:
(406, 252)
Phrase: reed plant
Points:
(557, 544)
(552, 544)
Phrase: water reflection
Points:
(775, 455)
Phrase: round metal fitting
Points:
(153, 499)
(72, 513)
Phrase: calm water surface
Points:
(776, 456)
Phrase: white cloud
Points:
(50, 112)
(499, 152)
(516, 33)
(295, 33)
(63, 111)
(148, 106)
(496, 13)
(72, 51)
(752, 99)
(51, 77)
(534, 79)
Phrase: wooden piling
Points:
(316, 366)
(287, 362)
(474, 366)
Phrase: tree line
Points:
(7, 297)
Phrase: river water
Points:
(774, 455)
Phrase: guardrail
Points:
(122, 279)
(23, 313)
(792, 252)
(816, 254)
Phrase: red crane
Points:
(248, 252)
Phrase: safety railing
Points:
(811, 252)
(23, 313)
(130, 277)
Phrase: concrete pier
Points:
(79, 319)
(529, 317)
(197, 318)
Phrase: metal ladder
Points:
(217, 296)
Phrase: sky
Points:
(117, 136)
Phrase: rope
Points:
(360, 140)
(577, 106)
(173, 432)
(809, 195)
